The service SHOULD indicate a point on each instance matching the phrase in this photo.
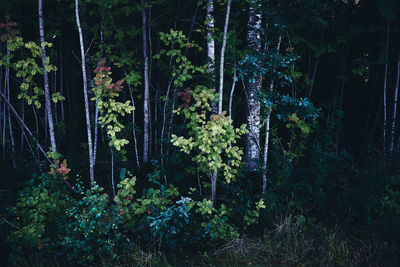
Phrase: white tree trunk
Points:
(221, 65)
(85, 94)
(211, 48)
(384, 90)
(395, 104)
(46, 81)
(232, 89)
(146, 100)
(214, 187)
(267, 126)
(252, 152)
(133, 125)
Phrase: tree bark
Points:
(49, 114)
(395, 104)
(252, 153)
(146, 100)
(211, 49)
(232, 89)
(267, 124)
(85, 94)
(24, 126)
(221, 65)
(61, 85)
(112, 171)
(384, 89)
(133, 125)
(214, 187)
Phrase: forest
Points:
(199, 133)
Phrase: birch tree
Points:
(252, 152)
(49, 114)
(221, 65)
(396, 91)
(267, 127)
(85, 94)
(146, 100)
(384, 89)
(210, 22)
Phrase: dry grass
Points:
(294, 243)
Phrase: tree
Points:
(85, 95)
(221, 65)
(253, 85)
(146, 100)
(210, 22)
(49, 113)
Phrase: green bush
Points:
(39, 207)
(91, 229)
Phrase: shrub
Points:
(92, 227)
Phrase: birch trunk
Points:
(221, 65)
(4, 127)
(252, 153)
(146, 100)
(22, 129)
(211, 48)
(112, 172)
(232, 89)
(313, 76)
(384, 90)
(61, 86)
(395, 104)
(133, 125)
(214, 187)
(85, 94)
(22, 123)
(267, 124)
(49, 114)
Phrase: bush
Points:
(91, 229)
(39, 206)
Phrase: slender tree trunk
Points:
(221, 65)
(37, 127)
(55, 91)
(214, 187)
(49, 114)
(9, 105)
(133, 125)
(46, 127)
(85, 94)
(384, 90)
(29, 132)
(265, 162)
(313, 76)
(22, 129)
(61, 86)
(4, 125)
(112, 171)
(252, 152)
(267, 126)
(232, 89)
(395, 104)
(199, 183)
(211, 48)
(156, 122)
(152, 138)
(146, 100)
